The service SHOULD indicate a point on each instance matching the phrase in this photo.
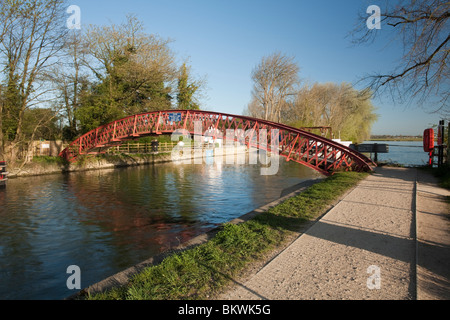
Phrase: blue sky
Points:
(224, 40)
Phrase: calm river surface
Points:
(108, 220)
(407, 153)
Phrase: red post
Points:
(428, 144)
(134, 126)
(3, 174)
(157, 124)
(114, 131)
(185, 120)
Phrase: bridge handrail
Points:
(186, 113)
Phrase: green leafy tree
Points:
(133, 70)
(187, 90)
(12, 101)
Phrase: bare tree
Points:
(253, 109)
(423, 72)
(69, 78)
(349, 112)
(2, 142)
(5, 24)
(33, 34)
(275, 79)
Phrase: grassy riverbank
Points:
(202, 271)
(55, 165)
(442, 174)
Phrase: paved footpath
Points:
(366, 248)
(433, 240)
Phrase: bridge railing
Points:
(294, 144)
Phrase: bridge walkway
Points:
(388, 239)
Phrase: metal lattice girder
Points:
(319, 153)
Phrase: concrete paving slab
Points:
(362, 249)
(433, 239)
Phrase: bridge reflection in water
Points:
(108, 220)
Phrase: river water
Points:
(407, 153)
(105, 221)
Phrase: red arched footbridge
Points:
(316, 152)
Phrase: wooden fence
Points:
(141, 148)
(53, 148)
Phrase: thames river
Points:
(105, 221)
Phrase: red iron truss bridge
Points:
(301, 146)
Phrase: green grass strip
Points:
(200, 272)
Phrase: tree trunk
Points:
(2, 143)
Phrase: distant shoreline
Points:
(395, 138)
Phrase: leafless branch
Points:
(423, 72)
